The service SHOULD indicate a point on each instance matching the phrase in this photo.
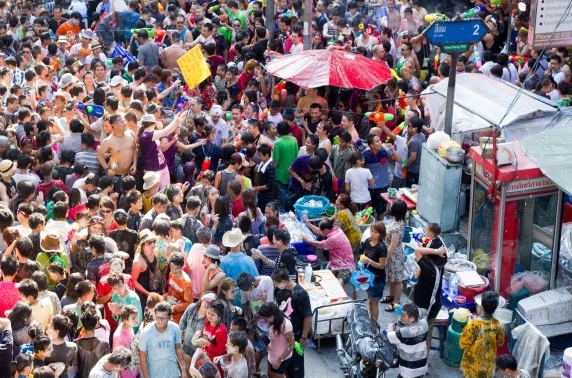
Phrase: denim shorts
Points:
(375, 290)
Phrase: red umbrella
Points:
(317, 68)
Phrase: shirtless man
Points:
(172, 53)
(121, 147)
(311, 97)
(393, 16)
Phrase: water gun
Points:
(478, 60)
(263, 115)
(379, 116)
(288, 14)
(56, 64)
(228, 116)
(518, 59)
(384, 21)
(215, 8)
(109, 62)
(420, 237)
(336, 140)
(91, 109)
(472, 13)
(403, 169)
(496, 3)
(298, 348)
(401, 101)
(152, 33)
(398, 130)
(277, 89)
(436, 63)
(436, 17)
(364, 215)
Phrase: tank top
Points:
(225, 178)
(143, 278)
(333, 30)
(423, 55)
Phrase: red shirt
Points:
(237, 207)
(45, 188)
(103, 288)
(296, 133)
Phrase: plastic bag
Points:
(410, 266)
(516, 283)
(534, 282)
(436, 139)
(461, 315)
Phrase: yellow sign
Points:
(193, 67)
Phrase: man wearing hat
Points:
(219, 124)
(52, 251)
(83, 48)
(96, 53)
(235, 261)
(7, 184)
(62, 43)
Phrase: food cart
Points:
(514, 220)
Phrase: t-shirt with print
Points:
(257, 296)
(295, 304)
(99, 267)
(375, 253)
(160, 348)
(377, 164)
(126, 241)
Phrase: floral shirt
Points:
(480, 339)
(341, 254)
(346, 221)
(161, 252)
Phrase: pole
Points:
(451, 94)
(307, 24)
(269, 14)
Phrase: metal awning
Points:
(551, 150)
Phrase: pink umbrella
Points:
(317, 68)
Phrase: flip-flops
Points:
(386, 299)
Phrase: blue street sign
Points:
(465, 31)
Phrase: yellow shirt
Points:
(480, 339)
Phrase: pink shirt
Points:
(278, 342)
(341, 254)
(9, 295)
(195, 261)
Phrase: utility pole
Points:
(451, 94)
(269, 14)
(307, 24)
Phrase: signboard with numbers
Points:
(547, 27)
(452, 32)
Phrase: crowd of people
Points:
(140, 220)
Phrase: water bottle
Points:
(308, 274)
(454, 287)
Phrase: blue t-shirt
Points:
(235, 263)
(160, 348)
(378, 166)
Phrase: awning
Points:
(551, 150)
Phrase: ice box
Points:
(548, 307)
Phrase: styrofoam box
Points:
(548, 307)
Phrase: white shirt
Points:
(99, 372)
(257, 296)
(358, 180)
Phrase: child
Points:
(42, 311)
(433, 247)
(410, 341)
(357, 179)
(125, 337)
(135, 202)
(23, 365)
(239, 325)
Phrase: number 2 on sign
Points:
(476, 31)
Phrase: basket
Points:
(330, 210)
(313, 211)
(370, 220)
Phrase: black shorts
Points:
(377, 202)
(296, 367)
(283, 366)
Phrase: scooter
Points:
(365, 353)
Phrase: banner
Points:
(193, 67)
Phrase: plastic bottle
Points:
(454, 287)
(308, 274)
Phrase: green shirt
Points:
(240, 16)
(285, 152)
(45, 259)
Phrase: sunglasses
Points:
(150, 242)
(26, 51)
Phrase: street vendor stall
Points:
(514, 213)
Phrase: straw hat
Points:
(50, 242)
(95, 45)
(150, 179)
(146, 235)
(148, 118)
(67, 79)
(7, 168)
(233, 238)
(213, 252)
(63, 39)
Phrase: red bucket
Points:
(472, 291)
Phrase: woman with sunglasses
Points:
(145, 270)
(107, 208)
(226, 294)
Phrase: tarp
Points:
(551, 150)
(481, 103)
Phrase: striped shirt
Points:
(410, 340)
(89, 158)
